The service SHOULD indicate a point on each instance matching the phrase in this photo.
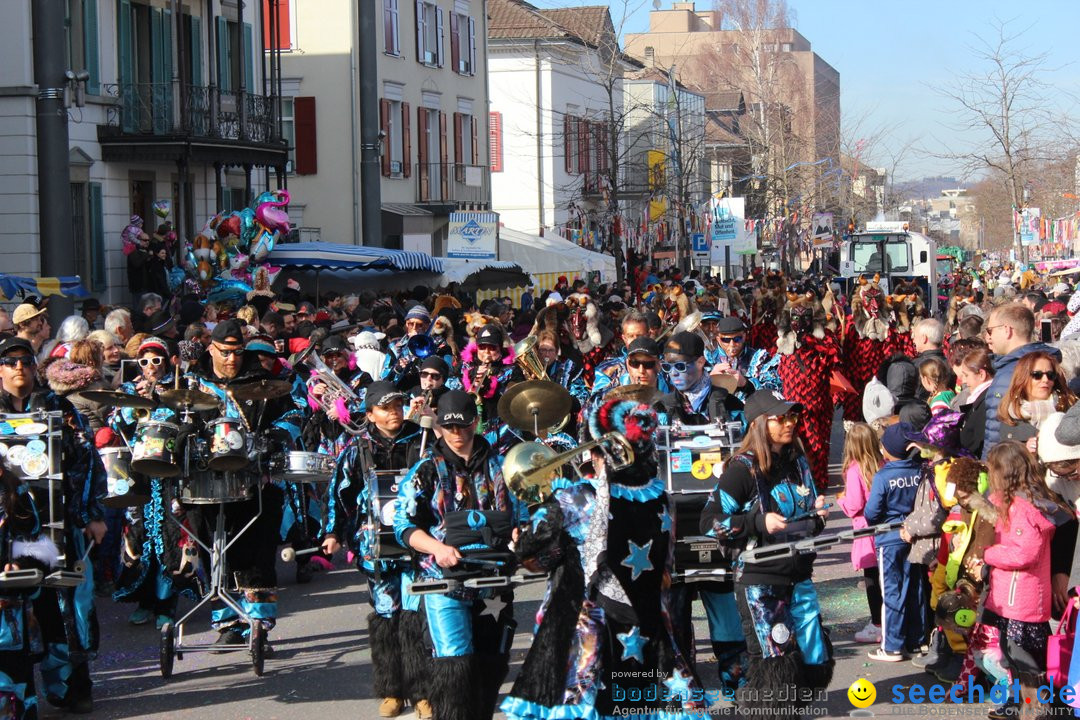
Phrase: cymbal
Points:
(118, 399)
(636, 392)
(724, 381)
(536, 403)
(265, 389)
(192, 399)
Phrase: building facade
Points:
(178, 106)
(432, 108)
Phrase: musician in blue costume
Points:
(767, 495)
(400, 652)
(153, 554)
(406, 362)
(753, 368)
(67, 617)
(457, 490)
(642, 367)
(604, 645)
(634, 325)
(252, 558)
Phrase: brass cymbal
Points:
(536, 403)
(265, 389)
(636, 392)
(118, 399)
(190, 399)
(724, 381)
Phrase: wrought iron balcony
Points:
(453, 183)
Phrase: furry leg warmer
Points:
(771, 686)
(453, 691)
(491, 671)
(414, 648)
(387, 680)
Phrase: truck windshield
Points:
(884, 258)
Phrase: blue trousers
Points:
(903, 620)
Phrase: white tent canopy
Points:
(537, 254)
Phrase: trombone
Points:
(530, 468)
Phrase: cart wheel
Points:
(258, 647)
(168, 650)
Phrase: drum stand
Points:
(172, 634)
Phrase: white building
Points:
(555, 80)
(178, 108)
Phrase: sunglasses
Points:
(647, 364)
(1064, 468)
(430, 375)
(154, 360)
(732, 339)
(227, 353)
(788, 419)
(18, 360)
(1039, 374)
(679, 367)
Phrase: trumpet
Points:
(334, 389)
(415, 414)
(530, 468)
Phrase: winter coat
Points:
(1019, 563)
(923, 524)
(68, 379)
(852, 503)
(1003, 367)
(892, 496)
(973, 430)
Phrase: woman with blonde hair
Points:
(862, 458)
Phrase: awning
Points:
(335, 256)
(12, 285)
(483, 273)
(552, 254)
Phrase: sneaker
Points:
(161, 620)
(948, 671)
(885, 656)
(939, 649)
(228, 638)
(391, 707)
(870, 634)
(141, 616)
(424, 710)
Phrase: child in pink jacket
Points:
(862, 458)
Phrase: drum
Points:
(206, 487)
(125, 489)
(379, 525)
(308, 467)
(154, 450)
(228, 444)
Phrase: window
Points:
(396, 150)
(577, 145)
(462, 44)
(429, 33)
(431, 154)
(81, 30)
(235, 61)
(391, 27)
(464, 139)
(288, 132)
(495, 141)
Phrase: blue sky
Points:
(891, 55)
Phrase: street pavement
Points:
(320, 669)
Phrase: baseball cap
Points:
(25, 312)
(334, 344)
(456, 407)
(768, 402)
(91, 304)
(489, 335)
(687, 344)
(381, 393)
(15, 343)
(895, 439)
(229, 332)
(644, 346)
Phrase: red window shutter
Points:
(384, 125)
(568, 130)
(495, 141)
(583, 147)
(306, 133)
(422, 153)
(459, 138)
(443, 154)
(475, 159)
(283, 41)
(455, 46)
(406, 142)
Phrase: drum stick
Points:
(484, 563)
(289, 554)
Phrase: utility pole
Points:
(56, 247)
(370, 173)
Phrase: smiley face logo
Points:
(862, 693)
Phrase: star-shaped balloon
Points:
(633, 643)
(539, 517)
(638, 559)
(665, 520)
(678, 685)
(493, 607)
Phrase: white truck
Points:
(894, 252)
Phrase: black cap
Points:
(15, 343)
(687, 344)
(730, 324)
(490, 335)
(436, 363)
(768, 402)
(456, 407)
(228, 332)
(161, 321)
(895, 439)
(334, 344)
(91, 304)
(381, 393)
(644, 346)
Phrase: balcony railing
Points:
(168, 110)
(453, 183)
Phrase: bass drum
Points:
(125, 489)
(206, 487)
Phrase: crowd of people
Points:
(962, 453)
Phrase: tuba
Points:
(528, 359)
(530, 467)
(335, 389)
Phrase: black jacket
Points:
(973, 430)
(718, 405)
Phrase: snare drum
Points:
(228, 444)
(206, 487)
(308, 467)
(379, 525)
(154, 450)
(125, 489)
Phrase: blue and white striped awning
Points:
(336, 256)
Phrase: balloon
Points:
(176, 277)
(247, 227)
(205, 272)
(190, 263)
(162, 208)
(263, 245)
(228, 289)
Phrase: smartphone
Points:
(129, 371)
(1047, 330)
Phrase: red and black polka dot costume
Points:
(806, 375)
(862, 358)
